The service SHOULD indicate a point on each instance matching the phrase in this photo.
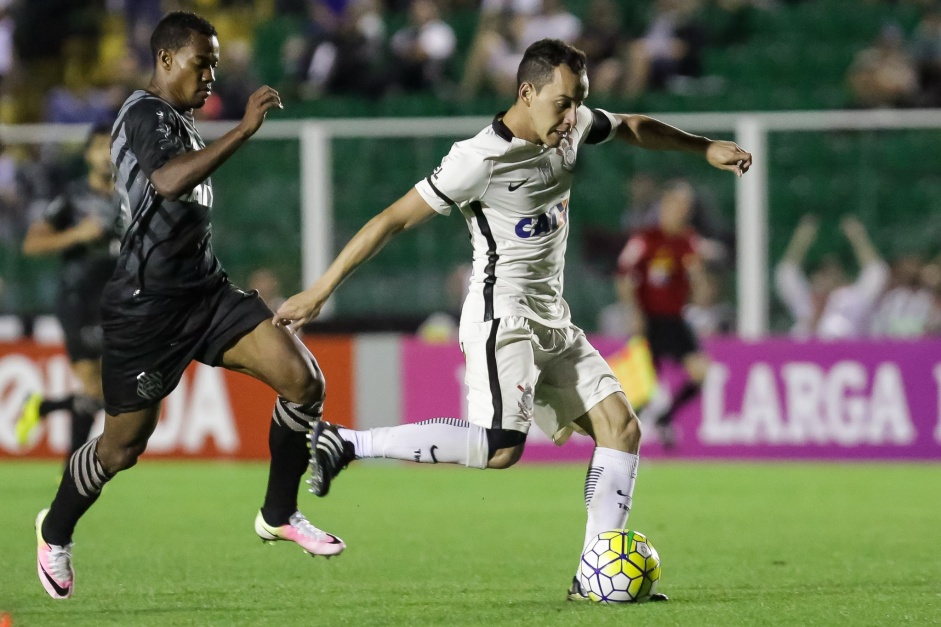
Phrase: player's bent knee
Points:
(118, 458)
(304, 387)
(505, 457)
(621, 431)
(314, 391)
(505, 447)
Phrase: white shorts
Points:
(519, 371)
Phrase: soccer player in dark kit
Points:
(169, 302)
(83, 225)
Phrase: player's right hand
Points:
(300, 309)
(259, 103)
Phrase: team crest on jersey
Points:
(526, 402)
(162, 127)
(567, 151)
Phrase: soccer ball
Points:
(619, 567)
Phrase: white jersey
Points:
(515, 197)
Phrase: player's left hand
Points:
(300, 309)
(259, 103)
(727, 155)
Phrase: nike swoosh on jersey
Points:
(513, 187)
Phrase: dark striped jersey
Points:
(86, 267)
(166, 253)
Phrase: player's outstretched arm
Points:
(182, 173)
(646, 132)
(407, 212)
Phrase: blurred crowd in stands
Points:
(64, 61)
(899, 70)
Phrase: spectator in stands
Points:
(500, 21)
(7, 26)
(827, 304)
(496, 53)
(421, 50)
(344, 53)
(140, 18)
(904, 310)
(884, 75)
(603, 42)
(926, 49)
(671, 47)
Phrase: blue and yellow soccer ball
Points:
(619, 567)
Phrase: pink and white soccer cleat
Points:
(54, 564)
(313, 540)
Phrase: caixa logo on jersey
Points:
(545, 223)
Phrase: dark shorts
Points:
(670, 337)
(145, 356)
(80, 317)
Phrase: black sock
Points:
(687, 393)
(84, 410)
(287, 441)
(83, 417)
(50, 405)
(79, 489)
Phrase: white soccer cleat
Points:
(54, 564)
(313, 540)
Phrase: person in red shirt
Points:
(655, 269)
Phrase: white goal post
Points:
(751, 196)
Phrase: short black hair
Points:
(176, 29)
(541, 59)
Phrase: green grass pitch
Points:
(742, 544)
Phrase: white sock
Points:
(362, 441)
(438, 440)
(609, 488)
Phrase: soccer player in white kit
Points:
(525, 360)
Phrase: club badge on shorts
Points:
(149, 385)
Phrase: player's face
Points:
(98, 154)
(193, 69)
(552, 109)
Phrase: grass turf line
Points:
(783, 544)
